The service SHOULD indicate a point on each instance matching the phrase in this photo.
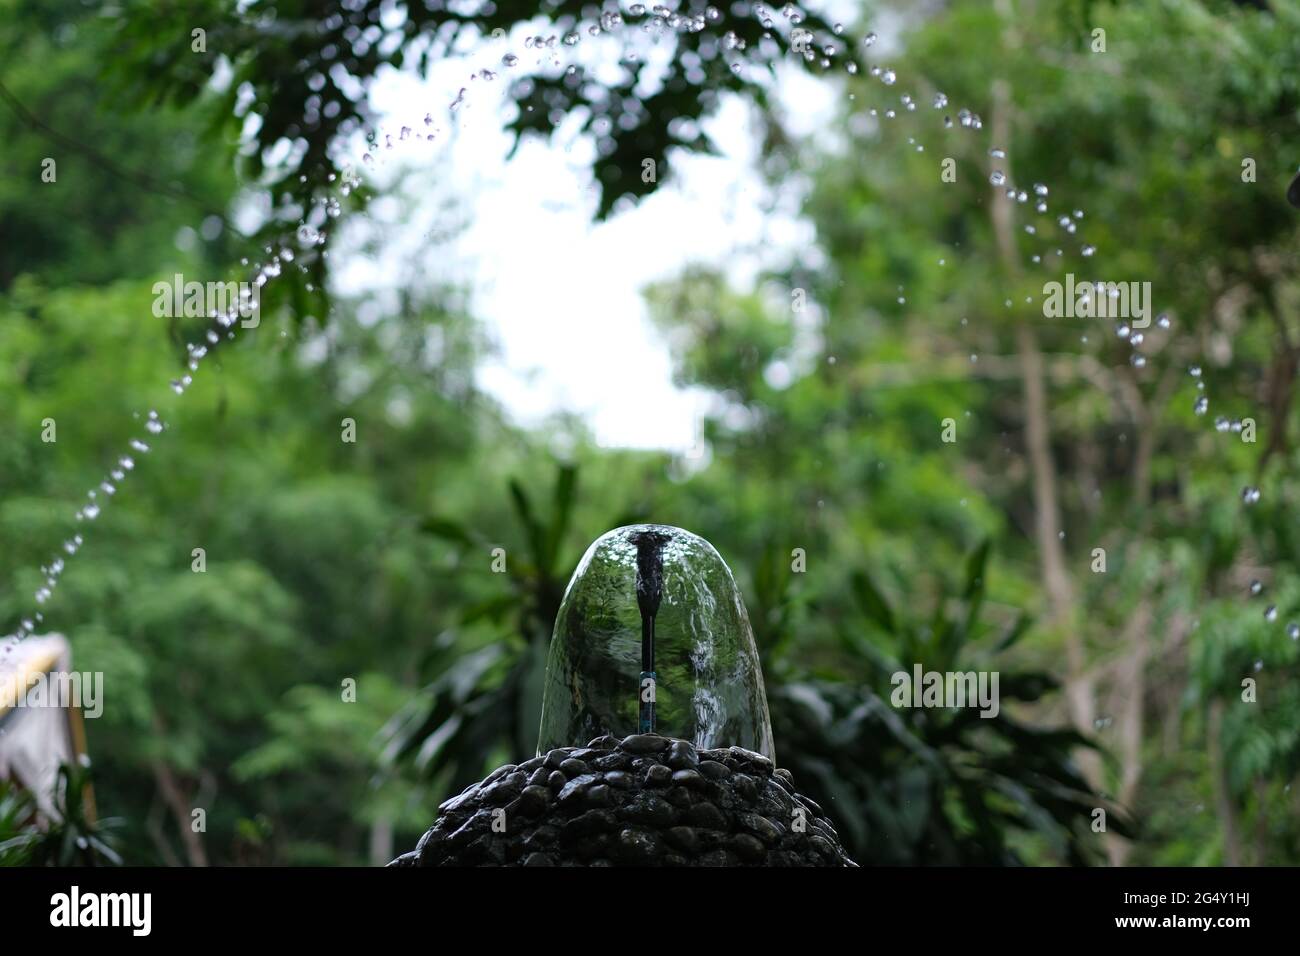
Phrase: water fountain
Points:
(662, 600)
(652, 636)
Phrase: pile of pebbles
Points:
(645, 800)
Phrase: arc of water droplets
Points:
(224, 325)
(657, 21)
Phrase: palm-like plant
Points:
(934, 786)
(488, 701)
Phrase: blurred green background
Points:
(371, 561)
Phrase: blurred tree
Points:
(302, 68)
(927, 308)
(90, 193)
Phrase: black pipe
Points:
(649, 594)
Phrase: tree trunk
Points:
(172, 794)
(1227, 813)
(1047, 521)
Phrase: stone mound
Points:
(645, 800)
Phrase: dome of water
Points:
(653, 636)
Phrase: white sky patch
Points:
(559, 295)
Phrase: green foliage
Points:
(225, 688)
(73, 838)
(122, 179)
(298, 61)
(486, 698)
(926, 786)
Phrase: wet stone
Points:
(822, 847)
(479, 823)
(461, 799)
(618, 779)
(761, 826)
(746, 786)
(556, 757)
(538, 777)
(714, 770)
(682, 756)
(649, 809)
(574, 768)
(611, 761)
(586, 824)
(556, 780)
(811, 804)
(755, 762)
(599, 796)
(575, 787)
(688, 778)
(430, 837)
(487, 850)
(775, 802)
(533, 800)
(645, 744)
(606, 742)
(746, 847)
(658, 776)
